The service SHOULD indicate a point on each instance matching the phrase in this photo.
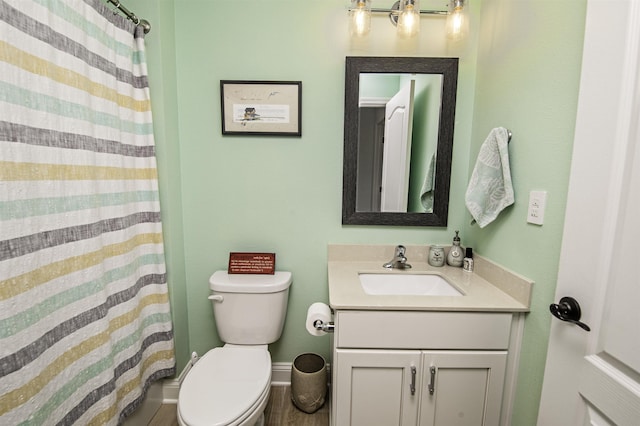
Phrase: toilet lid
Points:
(223, 385)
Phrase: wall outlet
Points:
(537, 203)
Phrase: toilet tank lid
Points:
(222, 281)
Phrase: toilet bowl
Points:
(229, 385)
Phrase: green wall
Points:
(160, 48)
(379, 85)
(519, 69)
(527, 80)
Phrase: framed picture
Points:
(269, 108)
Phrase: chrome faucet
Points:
(399, 260)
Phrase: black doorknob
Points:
(568, 309)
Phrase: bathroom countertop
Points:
(489, 288)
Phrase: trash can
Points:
(309, 382)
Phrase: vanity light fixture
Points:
(409, 18)
(405, 15)
(360, 17)
(457, 20)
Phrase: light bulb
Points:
(457, 20)
(409, 19)
(360, 19)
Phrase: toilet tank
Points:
(249, 309)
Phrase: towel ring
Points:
(509, 134)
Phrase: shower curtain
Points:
(85, 325)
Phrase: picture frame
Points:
(265, 108)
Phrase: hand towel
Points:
(426, 193)
(490, 189)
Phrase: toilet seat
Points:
(225, 386)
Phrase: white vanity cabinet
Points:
(462, 387)
(373, 387)
(419, 368)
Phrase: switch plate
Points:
(537, 203)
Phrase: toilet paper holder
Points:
(320, 325)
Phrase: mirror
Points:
(398, 139)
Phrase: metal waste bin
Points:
(309, 382)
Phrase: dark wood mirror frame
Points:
(355, 65)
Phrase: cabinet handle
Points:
(432, 382)
(412, 386)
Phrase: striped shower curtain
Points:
(85, 325)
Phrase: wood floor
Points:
(280, 411)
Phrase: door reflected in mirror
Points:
(397, 141)
(399, 120)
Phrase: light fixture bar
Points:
(422, 12)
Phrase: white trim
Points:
(511, 370)
(149, 406)
(621, 400)
(373, 102)
(166, 392)
(280, 376)
(170, 391)
(171, 388)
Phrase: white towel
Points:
(490, 189)
(426, 192)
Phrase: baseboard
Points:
(170, 391)
(280, 376)
(166, 391)
(147, 409)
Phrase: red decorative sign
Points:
(252, 263)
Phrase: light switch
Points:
(537, 204)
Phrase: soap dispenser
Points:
(455, 256)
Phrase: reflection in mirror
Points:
(397, 141)
(399, 117)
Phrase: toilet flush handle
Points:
(216, 298)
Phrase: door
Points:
(370, 145)
(593, 377)
(462, 388)
(374, 387)
(397, 150)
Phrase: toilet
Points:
(230, 385)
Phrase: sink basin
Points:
(407, 285)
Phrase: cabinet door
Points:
(374, 387)
(462, 388)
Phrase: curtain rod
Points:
(130, 15)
